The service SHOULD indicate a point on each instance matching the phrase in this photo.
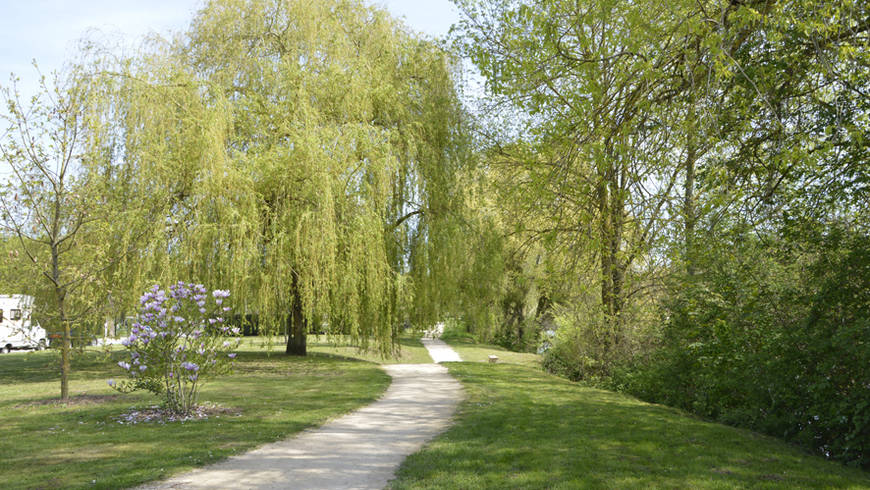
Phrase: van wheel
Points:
(7, 349)
(41, 345)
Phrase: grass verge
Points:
(81, 444)
(522, 428)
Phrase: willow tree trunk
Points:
(297, 329)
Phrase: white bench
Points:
(493, 359)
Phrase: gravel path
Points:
(361, 450)
(440, 352)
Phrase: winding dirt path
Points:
(361, 450)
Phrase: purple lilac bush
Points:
(178, 340)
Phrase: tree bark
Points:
(689, 209)
(66, 341)
(64, 356)
(297, 328)
(604, 249)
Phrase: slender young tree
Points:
(53, 205)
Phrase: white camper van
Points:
(16, 331)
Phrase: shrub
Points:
(178, 341)
(775, 341)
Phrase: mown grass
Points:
(411, 350)
(48, 445)
(471, 351)
(522, 428)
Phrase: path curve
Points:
(440, 351)
(361, 450)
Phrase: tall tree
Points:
(594, 81)
(316, 175)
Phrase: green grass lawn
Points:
(472, 351)
(46, 445)
(411, 349)
(522, 428)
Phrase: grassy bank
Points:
(81, 444)
(470, 350)
(522, 428)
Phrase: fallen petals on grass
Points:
(161, 415)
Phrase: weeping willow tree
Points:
(307, 155)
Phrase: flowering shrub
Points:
(177, 341)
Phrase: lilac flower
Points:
(190, 366)
(183, 344)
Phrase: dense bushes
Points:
(586, 345)
(774, 338)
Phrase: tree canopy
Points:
(314, 170)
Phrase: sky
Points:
(49, 30)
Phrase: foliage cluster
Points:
(694, 179)
(775, 342)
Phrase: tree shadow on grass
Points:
(44, 366)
